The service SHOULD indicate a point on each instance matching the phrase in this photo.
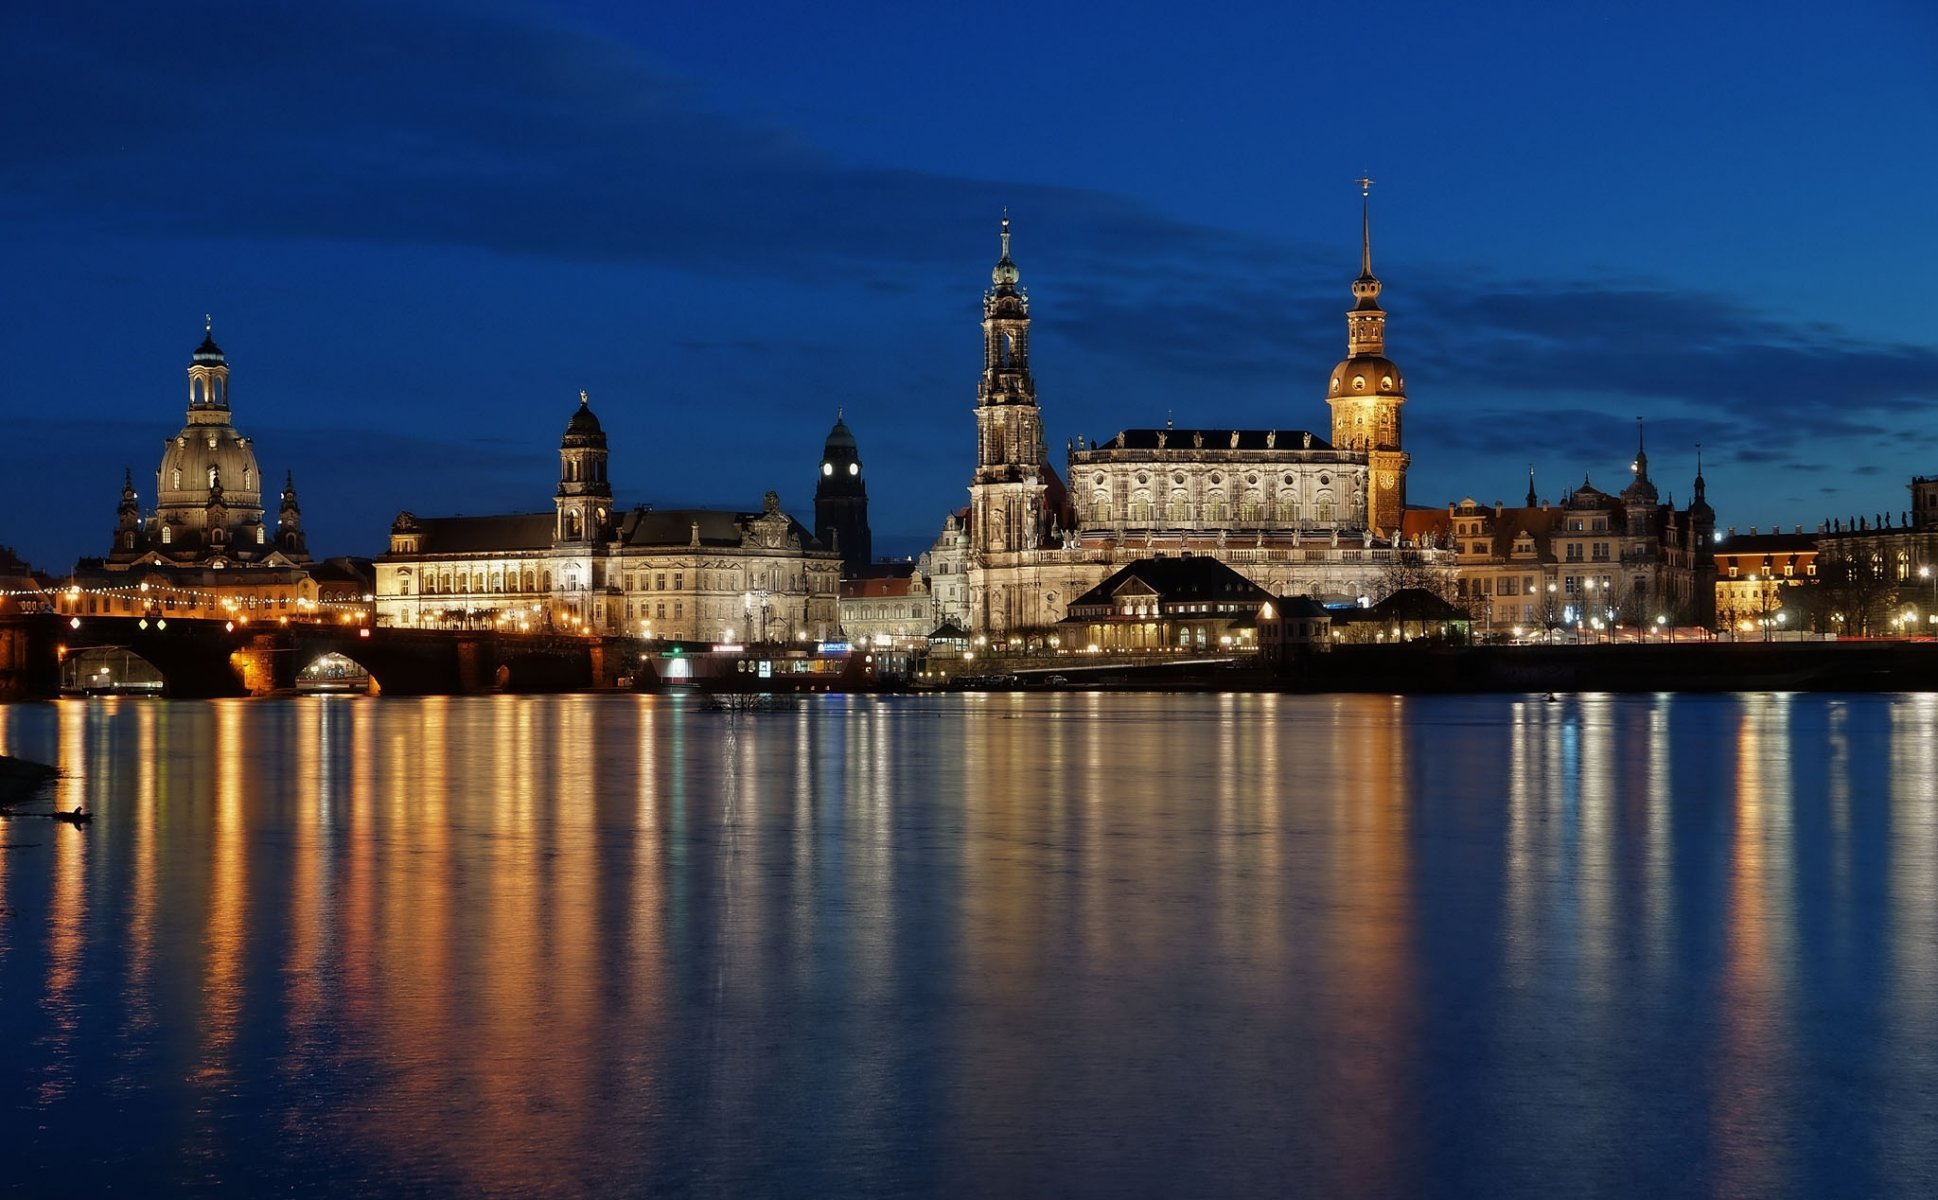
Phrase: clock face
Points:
(827, 468)
(854, 468)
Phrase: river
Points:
(1004, 945)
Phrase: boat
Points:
(79, 816)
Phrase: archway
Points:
(109, 670)
(335, 672)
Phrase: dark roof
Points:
(1176, 579)
(949, 631)
(674, 527)
(1415, 604)
(477, 535)
(1214, 439)
(1300, 606)
(1767, 543)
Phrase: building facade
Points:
(1593, 562)
(1291, 511)
(686, 574)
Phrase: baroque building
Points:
(208, 489)
(1291, 511)
(206, 548)
(585, 567)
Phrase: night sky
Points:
(422, 228)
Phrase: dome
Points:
(1004, 273)
(208, 353)
(583, 429)
(190, 457)
(1368, 376)
(840, 437)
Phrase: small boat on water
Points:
(79, 816)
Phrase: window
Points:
(1574, 551)
(679, 609)
(679, 582)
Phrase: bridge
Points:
(208, 659)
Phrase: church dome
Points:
(202, 455)
(583, 429)
(208, 353)
(1368, 376)
(840, 437)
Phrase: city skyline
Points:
(422, 229)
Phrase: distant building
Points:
(1293, 625)
(1623, 559)
(888, 609)
(1754, 572)
(1408, 615)
(1286, 508)
(1158, 604)
(841, 501)
(687, 574)
(1877, 573)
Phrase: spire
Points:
(1641, 464)
(1531, 498)
(1365, 226)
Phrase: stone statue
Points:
(1271, 438)
(1366, 538)
(1161, 438)
(1197, 439)
(1308, 441)
(1335, 537)
(1234, 439)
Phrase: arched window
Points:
(168, 535)
(1140, 508)
(175, 480)
(1100, 506)
(215, 477)
(259, 535)
(1325, 508)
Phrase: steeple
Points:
(1641, 465)
(1366, 327)
(1008, 491)
(584, 497)
(1367, 390)
(1532, 500)
(289, 523)
(208, 380)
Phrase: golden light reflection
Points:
(1752, 1093)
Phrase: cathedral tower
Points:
(208, 488)
(1367, 390)
(841, 500)
(1008, 493)
(584, 498)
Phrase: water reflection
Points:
(982, 945)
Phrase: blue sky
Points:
(423, 227)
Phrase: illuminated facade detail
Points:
(1291, 511)
(686, 574)
(841, 500)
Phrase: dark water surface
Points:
(976, 946)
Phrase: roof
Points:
(1213, 439)
(1766, 543)
(1174, 579)
(1415, 604)
(478, 535)
(674, 527)
(1303, 607)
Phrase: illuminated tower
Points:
(289, 524)
(841, 500)
(1007, 494)
(1367, 391)
(584, 498)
